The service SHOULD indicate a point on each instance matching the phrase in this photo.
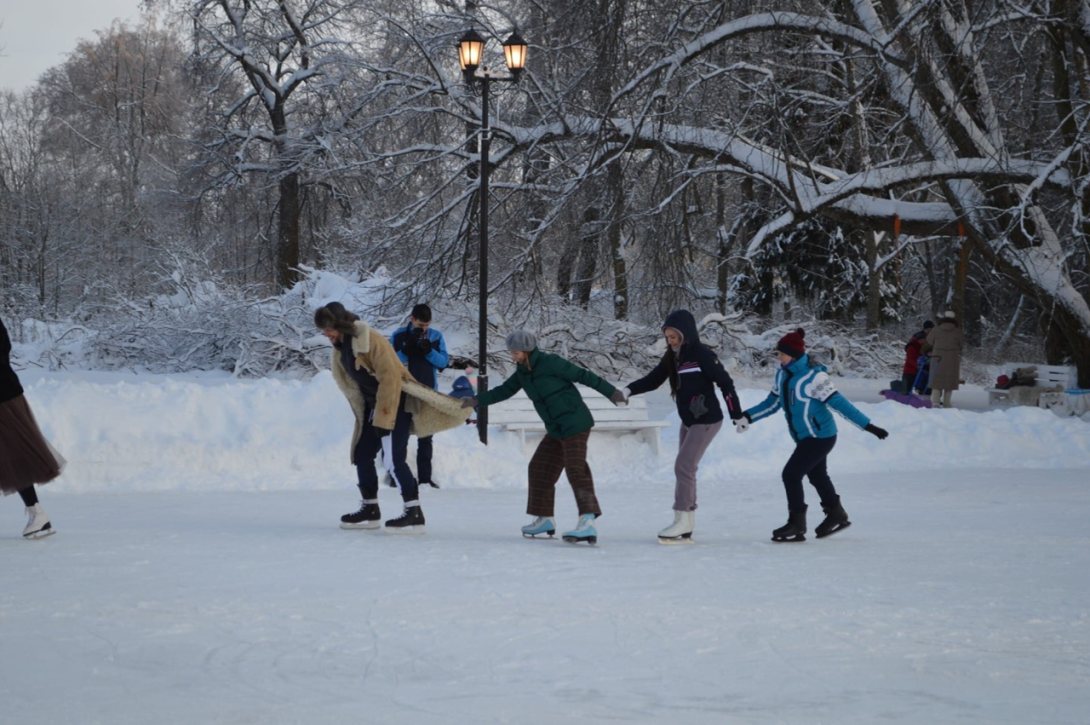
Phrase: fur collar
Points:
(361, 338)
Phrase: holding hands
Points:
(618, 397)
(741, 425)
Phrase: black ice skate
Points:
(368, 517)
(836, 518)
(410, 522)
(794, 529)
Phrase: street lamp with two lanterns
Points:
(470, 55)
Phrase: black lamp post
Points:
(470, 52)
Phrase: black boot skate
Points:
(368, 517)
(794, 529)
(410, 522)
(836, 518)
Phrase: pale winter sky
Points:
(36, 35)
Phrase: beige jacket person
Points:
(432, 411)
(944, 346)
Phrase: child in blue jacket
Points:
(805, 393)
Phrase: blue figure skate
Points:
(583, 531)
(541, 525)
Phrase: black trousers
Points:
(423, 459)
(809, 460)
(29, 496)
(368, 447)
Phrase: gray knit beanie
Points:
(521, 341)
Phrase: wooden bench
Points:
(1049, 378)
(517, 414)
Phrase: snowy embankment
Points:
(158, 433)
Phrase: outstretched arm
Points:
(711, 367)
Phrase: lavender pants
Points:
(693, 440)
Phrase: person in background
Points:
(913, 350)
(806, 394)
(693, 371)
(943, 344)
(388, 405)
(549, 381)
(26, 458)
(422, 349)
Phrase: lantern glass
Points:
(470, 48)
(514, 52)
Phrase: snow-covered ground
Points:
(198, 574)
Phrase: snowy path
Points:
(956, 597)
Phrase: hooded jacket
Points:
(372, 358)
(806, 393)
(698, 372)
(549, 382)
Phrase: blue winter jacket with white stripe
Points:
(806, 393)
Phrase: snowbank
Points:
(123, 432)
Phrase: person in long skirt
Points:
(26, 458)
(693, 371)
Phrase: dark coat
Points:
(695, 371)
(549, 381)
(10, 388)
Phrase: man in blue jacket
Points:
(422, 349)
(806, 394)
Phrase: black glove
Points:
(470, 402)
(879, 433)
(617, 397)
(426, 346)
(409, 345)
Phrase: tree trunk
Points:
(588, 255)
(287, 243)
(961, 278)
(874, 278)
(722, 252)
(615, 185)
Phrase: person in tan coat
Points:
(944, 346)
(389, 406)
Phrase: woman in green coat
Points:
(549, 382)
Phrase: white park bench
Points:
(517, 414)
(1049, 377)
